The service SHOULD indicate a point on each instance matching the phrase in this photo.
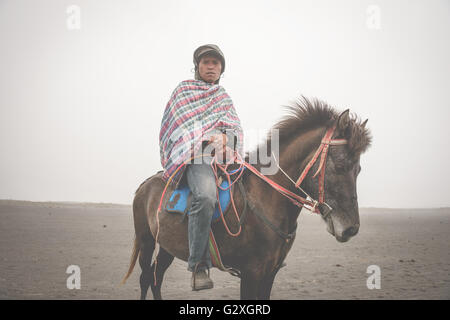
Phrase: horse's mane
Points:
(304, 115)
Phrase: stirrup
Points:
(208, 283)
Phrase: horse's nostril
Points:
(350, 232)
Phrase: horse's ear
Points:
(343, 121)
(363, 125)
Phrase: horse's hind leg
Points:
(145, 260)
(164, 260)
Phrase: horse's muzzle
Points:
(347, 233)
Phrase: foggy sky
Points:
(80, 109)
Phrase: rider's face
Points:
(209, 68)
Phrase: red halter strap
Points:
(322, 151)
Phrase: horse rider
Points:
(199, 116)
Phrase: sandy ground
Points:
(38, 241)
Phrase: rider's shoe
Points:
(200, 280)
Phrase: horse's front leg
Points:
(265, 286)
(249, 285)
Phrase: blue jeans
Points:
(202, 182)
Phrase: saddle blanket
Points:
(181, 198)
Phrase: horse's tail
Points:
(141, 225)
(134, 257)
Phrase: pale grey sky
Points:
(80, 109)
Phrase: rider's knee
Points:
(207, 201)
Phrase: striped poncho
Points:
(195, 110)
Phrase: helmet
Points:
(208, 48)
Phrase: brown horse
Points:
(269, 226)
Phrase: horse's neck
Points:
(293, 157)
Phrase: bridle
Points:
(317, 206)
(326, 142)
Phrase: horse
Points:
(270, 222)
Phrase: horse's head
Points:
(328, 173)
(342, 167)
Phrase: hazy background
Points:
(81, 104)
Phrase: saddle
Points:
(181, 199)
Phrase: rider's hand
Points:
(219, 141)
